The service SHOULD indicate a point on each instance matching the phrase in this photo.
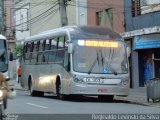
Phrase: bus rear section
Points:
(4, 56)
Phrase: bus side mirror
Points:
(128, 51)
(70, 48)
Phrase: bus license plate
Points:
(95, 81)
(102, 90)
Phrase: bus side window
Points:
(60, 54)
(50, 44)
(27, 54)
(66, 61)
(34, 53)
(65, 40)
(38, 44)
(53, 44)
(32, 46)
(61, 42)
(52, 52)
(47, 45)
(57, 43)
(43, 45)
(45, 51)
(40, 52)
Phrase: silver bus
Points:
(4, 62)
(76, 60)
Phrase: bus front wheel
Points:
(58, 92)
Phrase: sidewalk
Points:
(16, 85)
(136, 96)
(139, 96)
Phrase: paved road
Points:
(25, 104)
(48, 106)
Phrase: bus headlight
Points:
(1, 93)
(78, 80)
(124, 82)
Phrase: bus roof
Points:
(85, 32)
(2, 37)
(78, 32)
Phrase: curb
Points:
(139, 101)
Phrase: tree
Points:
(18, 49)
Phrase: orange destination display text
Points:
(101, 44)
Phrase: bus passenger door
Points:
(66, 62)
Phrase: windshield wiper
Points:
(111, 69)
(108, 65)
(94, 63)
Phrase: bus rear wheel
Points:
(33, 92)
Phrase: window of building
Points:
(105, 18)
(136, 8)
(99, 17)
(144, 6)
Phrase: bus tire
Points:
(39, 93)
(58, 91)
(32, 92)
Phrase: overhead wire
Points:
(38, 17)
(46, 19)
(92, 5)
(39, 11)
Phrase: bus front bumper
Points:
(81, 89)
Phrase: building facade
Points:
(9, 23)
(142, 34)
(109, 13)
(33, 17)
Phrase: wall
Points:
(142, 21)
(118, 16)
(22, 26)
(44, 15)
(81, 8)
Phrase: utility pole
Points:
(1, 17)
(63, 13)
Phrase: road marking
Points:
(37, 105)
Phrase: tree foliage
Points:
(18, 49)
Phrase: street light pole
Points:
(63, 13)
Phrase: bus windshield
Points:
(100, 57)
(3, 56)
